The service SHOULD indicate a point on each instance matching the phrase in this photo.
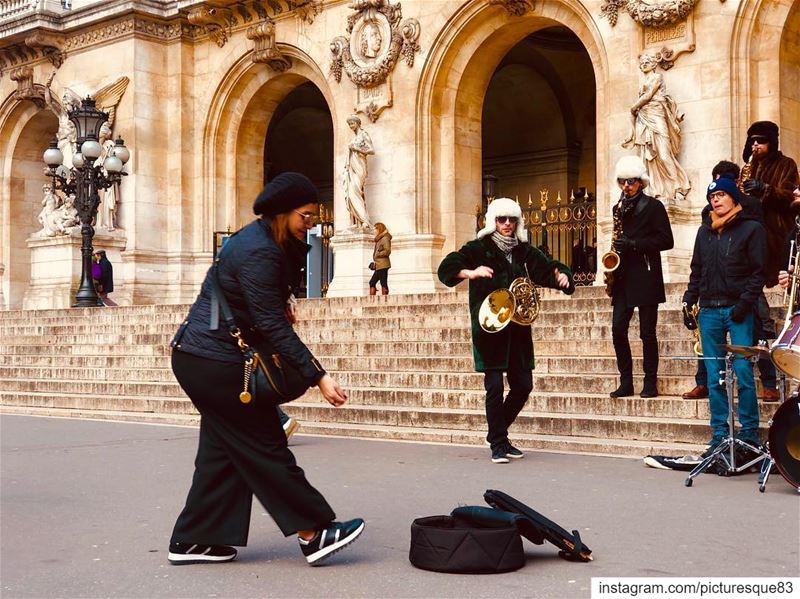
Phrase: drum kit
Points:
(782, 449)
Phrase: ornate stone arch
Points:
(234, 134)
(25, 130)
(758, 86)
(457, 72)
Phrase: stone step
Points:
(638, 428)
(108, 396)
(529, 442)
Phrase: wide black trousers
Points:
(242, 451)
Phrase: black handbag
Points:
(371, 266)
(267, 379)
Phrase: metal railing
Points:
(565, 231)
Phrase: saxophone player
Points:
(638, 280)
(500, 254)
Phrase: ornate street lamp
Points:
(85, 180)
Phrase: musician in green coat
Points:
(500, 254)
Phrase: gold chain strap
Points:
(244, 396)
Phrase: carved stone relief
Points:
(51, 46)
(216, 20)
(378, 39)
(515, 8)
(26, 88)
(266, 50)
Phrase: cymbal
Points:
(748, 351)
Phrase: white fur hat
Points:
(503, 207)
(631, 167)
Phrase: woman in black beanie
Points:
(243, 449)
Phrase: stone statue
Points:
(67, 136)
(107, 210)
(50, 215)
(68, 214)
(656, 134)
(355, 174)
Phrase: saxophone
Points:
(746, 174)
(697, 344)
(611, 259)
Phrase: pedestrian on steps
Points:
(380, 260)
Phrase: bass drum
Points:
(785, 351)
(784, 440)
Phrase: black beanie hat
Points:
(284, 193)
(766, 129)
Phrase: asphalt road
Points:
(87, 507)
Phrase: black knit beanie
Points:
(284, 193)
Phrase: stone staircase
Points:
(404, 360)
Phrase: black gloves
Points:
(740, 312)
(624, 244)
(754, 187)
(689, 320)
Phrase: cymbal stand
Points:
(725, 452)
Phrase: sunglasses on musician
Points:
(628, 181)
(756, 139)
(506, 219)
(309, 218)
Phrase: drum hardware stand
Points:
(725, 451)
(769, 461)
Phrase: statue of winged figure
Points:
(106, 98)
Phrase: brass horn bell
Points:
(519, 303)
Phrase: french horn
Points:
(519, 303)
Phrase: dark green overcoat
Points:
(491, 350)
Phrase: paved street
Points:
(87, 508)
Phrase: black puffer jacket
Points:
(257, 278)
(728, 267)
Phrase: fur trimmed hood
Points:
(503, 207)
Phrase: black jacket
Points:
(638, 281)
(107, 276)
(728, 267)
(257, 278)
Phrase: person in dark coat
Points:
(764, 327)
(500, 254)
(727, 275)
(638, 280)
(106, 278)
(243, 449)
(772, 178)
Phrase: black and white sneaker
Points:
(330, 540)
(512, 452)
(192, 553)
(499, 456)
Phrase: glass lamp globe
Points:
(120, 151)
(77, 160)
(52, 155)
(91, 149)
(112, 164)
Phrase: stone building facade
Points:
(222, 95)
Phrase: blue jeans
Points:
(715, 324)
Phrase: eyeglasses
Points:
(309, 218)
(762, 141)
(507, 219)
(629, 181)
(717, 194)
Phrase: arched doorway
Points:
(23, 141)
(462, 63)
(300, 139)
(538, 141)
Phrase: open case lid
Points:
(535, 527)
